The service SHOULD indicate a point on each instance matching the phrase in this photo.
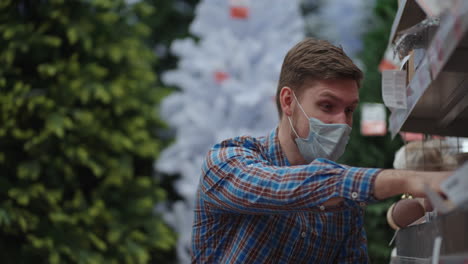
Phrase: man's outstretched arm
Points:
(394, 182)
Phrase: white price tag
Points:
(373, 119)
(394, 89)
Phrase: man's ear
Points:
(286, 99)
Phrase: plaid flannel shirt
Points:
(254, 207)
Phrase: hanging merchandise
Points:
(373, 119)
(239, 9)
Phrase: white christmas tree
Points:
(342, 22)
(227, 84)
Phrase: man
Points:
(282, 198)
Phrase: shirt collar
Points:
(274, 151)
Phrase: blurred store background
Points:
(109, 106)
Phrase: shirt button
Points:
(303, 234)
(322, 207)
(354, 195)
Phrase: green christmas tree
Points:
(78, 134)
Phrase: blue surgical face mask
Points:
(324, 141)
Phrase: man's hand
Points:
(393, 182)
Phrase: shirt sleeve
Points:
(237, 178)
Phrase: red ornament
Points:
(239, 9)
(220, 76)
(239, 12)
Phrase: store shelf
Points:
(437, 101)
(415, 244)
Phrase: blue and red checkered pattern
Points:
(254, 207)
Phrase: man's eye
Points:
(327, 107)
(350, 110)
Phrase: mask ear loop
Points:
(290, 122)
(300, 106)
(294, 130)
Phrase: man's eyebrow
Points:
(336, 98)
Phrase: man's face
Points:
(330, 101)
